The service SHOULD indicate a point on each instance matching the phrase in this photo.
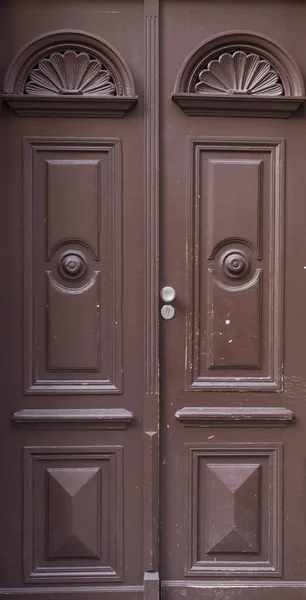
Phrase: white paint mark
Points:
(227, 321)
(230, 341)
(210, 437)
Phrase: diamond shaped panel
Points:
(233, 508)
(73, 512)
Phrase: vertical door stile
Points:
(151, 322)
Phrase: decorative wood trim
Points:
(221, 78)
(151, 337)
(79, 418)
(273, 379)
(151, 586)
(83, 592)
(151, 119)
(99, 84)
(195, 105)
(38, 569)
(231, 590)
(199, 563)
(34, 384)
(67, 106)
(224, 416)
(150, 498)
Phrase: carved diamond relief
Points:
(239, 73)
(233, 508)
(73, 512)
(70, 73)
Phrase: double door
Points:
(153, 444)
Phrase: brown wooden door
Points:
(232, 358)
(147, 144)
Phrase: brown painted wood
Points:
(79, 418)
(231, 247)
(259, 416)
(146, 458)
(75, 295)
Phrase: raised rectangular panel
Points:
(73, 266)
(242, 180)
(73, 514)
(234, 324)
(71, 344)
(234, 510)
(69, 183)
(235, 265)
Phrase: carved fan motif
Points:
(239, 73)
(70, 73)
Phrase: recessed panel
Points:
(73, 514)
(234, 510)
(73, 266)
(235, 264)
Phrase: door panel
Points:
(73, 216)
(235, 264)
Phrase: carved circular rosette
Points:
(72, 264)
(235, 264)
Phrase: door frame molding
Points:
(151, 338)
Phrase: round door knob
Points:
(168, 294)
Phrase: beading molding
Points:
(239, 74)
(69, 74)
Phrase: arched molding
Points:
(239, 73)
(69, 73)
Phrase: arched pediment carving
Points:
(69, 73)
(239, 73)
